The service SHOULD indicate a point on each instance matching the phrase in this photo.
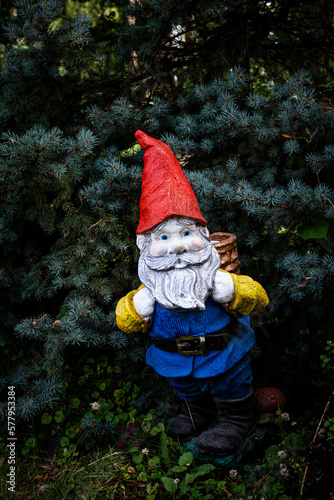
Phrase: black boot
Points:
(235, 423)
(194, 417)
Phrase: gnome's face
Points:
(178, 263)
(175, 236)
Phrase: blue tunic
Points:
(169, 324)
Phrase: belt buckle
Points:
(189, 346)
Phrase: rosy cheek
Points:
(157, 248)
(197, 243)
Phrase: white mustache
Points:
(166, 262)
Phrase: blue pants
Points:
(235, 383)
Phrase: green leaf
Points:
(169, 484)
(179, 468)
(137, 457)
(159, 428)
(132, 413)
(186, 458)
(154, 460)
(318, 229)
(67, 488)
(59, 416)
(71, 432)
(75, 402)
(46, 418)
(31, 442)
(64, 442)
(294, 442)
(201, 471)
(271, 455)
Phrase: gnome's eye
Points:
(164, 237)
(186, 233)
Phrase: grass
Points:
(85, 477)
(107, 474)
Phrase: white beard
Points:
(180, 288)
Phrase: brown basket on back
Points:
(227, 248)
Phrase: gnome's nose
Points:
(177, 248)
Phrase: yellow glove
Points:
(250, 297)
(127, 318)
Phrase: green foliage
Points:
(328, 358)
(318, 229)
(329, 425)
(109, 446)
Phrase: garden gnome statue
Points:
(192, 306)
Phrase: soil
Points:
(318, 481)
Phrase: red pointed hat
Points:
(166, 191)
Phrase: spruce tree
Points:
(259, 162)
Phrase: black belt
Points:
(189, 345)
